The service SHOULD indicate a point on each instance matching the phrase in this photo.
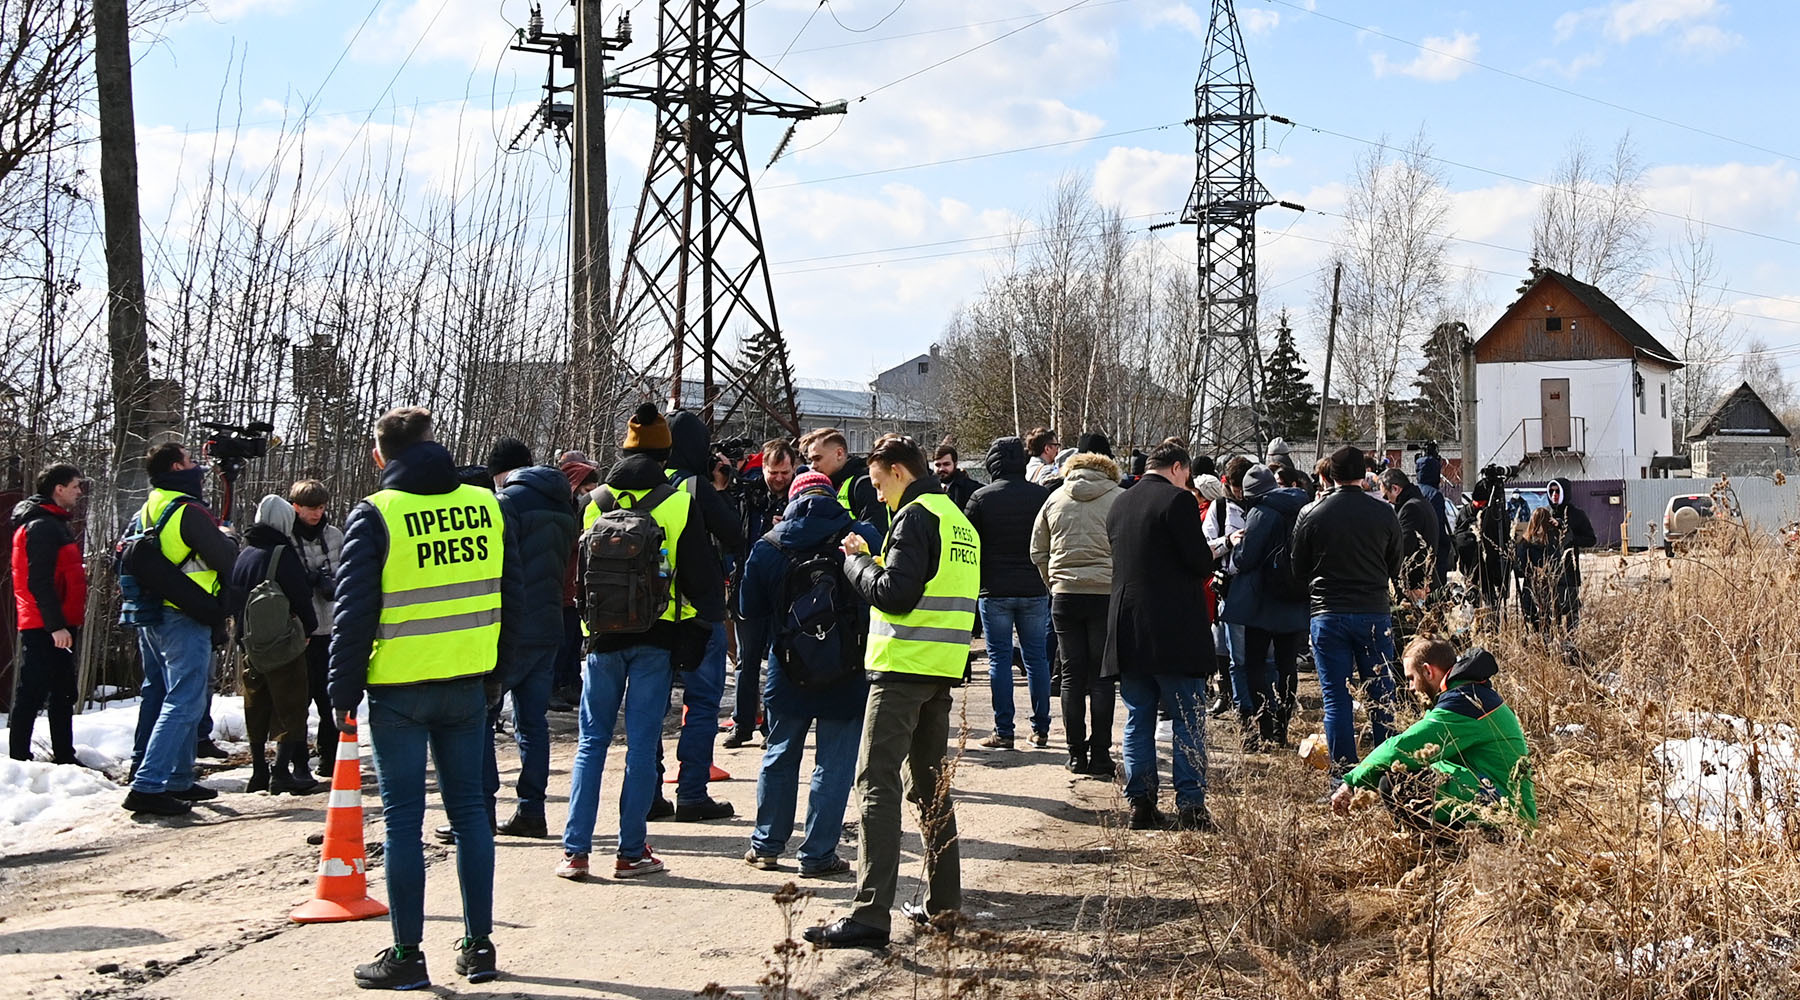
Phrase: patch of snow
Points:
(1733, 774)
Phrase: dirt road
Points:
(197, 908)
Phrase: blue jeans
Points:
(1180, 698)
(529, 681)
(1354, 648)
(835, 745)
(637, 679)
(1031, 616)
(449, 717)
(1252, 684)
(702, 689)
(178, 650)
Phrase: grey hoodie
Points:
(1069, 545)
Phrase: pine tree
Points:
(1440, 381)
(1291, 402)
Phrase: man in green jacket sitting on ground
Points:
(1464, 763)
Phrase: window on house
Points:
(924, 367)
(1552, 324)
(1665, 400)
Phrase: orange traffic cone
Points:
(343, 890)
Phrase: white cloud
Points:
(232, 10)
(1691, 24)
(1257, 21)
(1747, 195)
(1181, 16)
(1142, 181)
(1439, 59)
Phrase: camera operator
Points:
(1490, 534)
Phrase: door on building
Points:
(1555, 392)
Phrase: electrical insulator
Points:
(537, 22)
(624, 33)
(782, 146)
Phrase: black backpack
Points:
(821, 637)
(626, 584)
(1279, 577)
(147, 578)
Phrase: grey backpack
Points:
(272, 635)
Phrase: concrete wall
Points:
(1618, 442)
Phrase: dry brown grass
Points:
(1616, 895)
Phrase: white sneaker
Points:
(1165, 731)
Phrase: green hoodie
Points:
(1472, 740)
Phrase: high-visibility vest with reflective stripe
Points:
(933, 638)
(440, 586)
(673, 515)
(174, 549)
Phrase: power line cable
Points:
(975, 48)
(973, 156)
(829, 10)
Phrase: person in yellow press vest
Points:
(177, 647)
(923, 591)
(417, 627)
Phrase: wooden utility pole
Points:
(125, 328)
(1337, 276)
(591, 279)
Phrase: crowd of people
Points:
(847, 588)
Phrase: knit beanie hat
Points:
(509, 453)
(811, 483)
(578, 472)
(1210, 487)
(1094, 443)
(647, 431)
(1260, 481)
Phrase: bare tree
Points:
(1393, 249)
(1591, 221)
(1700, 324)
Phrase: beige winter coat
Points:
(1068, 542)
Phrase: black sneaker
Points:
(661, 809)
(705, 809)
(195, 793)
(475, 960)
(155, 803)
(1145, 815)
(1194, 818)
(735, 740)
(395, 968)
(209, 749)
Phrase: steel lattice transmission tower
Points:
(1223, 207)
(695, 262)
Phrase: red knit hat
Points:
(811, 482)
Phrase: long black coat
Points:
(1160, 567)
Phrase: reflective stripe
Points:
(434, 626)
(442, 592)
(348, 750)
(964, 604)
(920, 633)
(344, 798)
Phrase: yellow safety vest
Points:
(178, 552)
(933, 638)
(440, 586)
(673, 515)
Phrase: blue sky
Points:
(869, 268)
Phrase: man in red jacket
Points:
(50, 592)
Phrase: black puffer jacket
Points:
(539, 513)
(690, 457)
(1347, 543)
(425, 469)
(1003, 513)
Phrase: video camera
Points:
(1499, 474)
(230, 444)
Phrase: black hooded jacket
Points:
(252, 568)
(539, 514)
(1570, 532)
(1003, 513)
(699, 579)
(1420, 528)
(425, 469)
(690, 457)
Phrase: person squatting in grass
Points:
(1464, 763)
